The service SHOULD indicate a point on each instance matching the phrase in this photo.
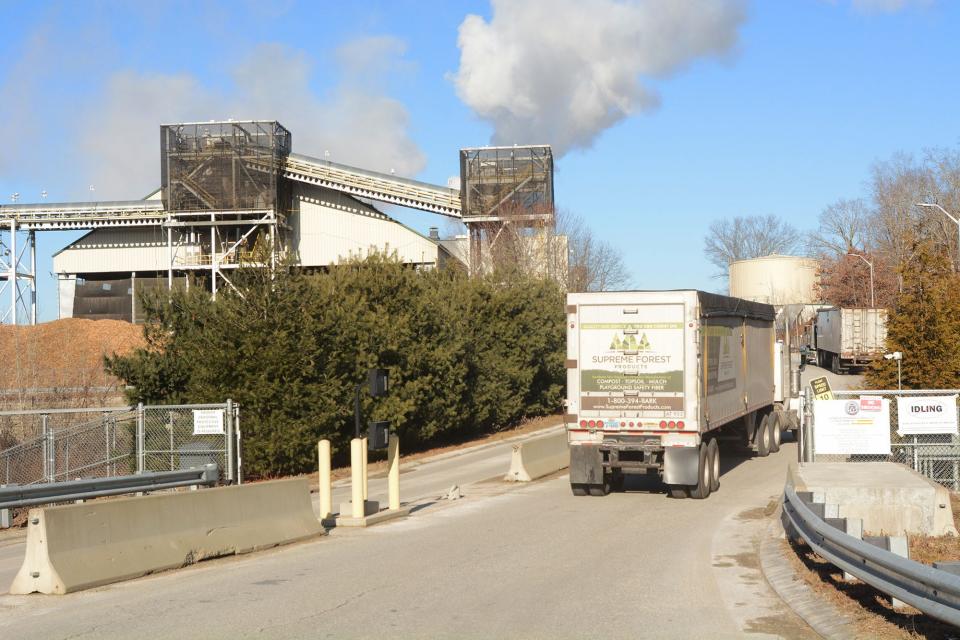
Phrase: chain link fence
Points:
(936, 456)
(126, 441)
(21, 425)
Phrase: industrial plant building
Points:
(233, 194)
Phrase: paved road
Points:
(528, 561)
(419, 482)
(837, 381)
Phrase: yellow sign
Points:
(821, 389)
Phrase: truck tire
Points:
(762, 437)
(617, 478)
(678, 491)
(579, 489)
(701, 490)
(776, 431)
(601, 489)
(835, 363)
(713, 459)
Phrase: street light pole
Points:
(873, 302)
(934, 205)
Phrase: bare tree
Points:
(742, 238)
(594, 265)
(844, 226)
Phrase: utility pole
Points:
(873, 302)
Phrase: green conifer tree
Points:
(924, 326)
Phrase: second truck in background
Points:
(849, 337)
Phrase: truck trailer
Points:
(848, 337)
(656, 378)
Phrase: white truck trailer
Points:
(655, 378)
(848, 337)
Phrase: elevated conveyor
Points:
(83, 215)
(373, 185)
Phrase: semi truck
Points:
(849, 337)
(656, 378)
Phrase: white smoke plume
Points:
(354, 122)
(560, 72)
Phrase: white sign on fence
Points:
(855, 426)
(933, 414)
(207, 422)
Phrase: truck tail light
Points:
(583, 423)
(592, 423)
(663, 424)
(672, 424)
(680, 424)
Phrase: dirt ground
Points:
(871, 610)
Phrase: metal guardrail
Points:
(17, 497)
(932, 591)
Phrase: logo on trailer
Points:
(630, 343)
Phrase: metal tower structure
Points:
(18, 274)
(506, 199)
(227, 186)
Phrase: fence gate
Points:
(936, 456)
(125, 441)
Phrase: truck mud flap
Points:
(681, 465)
(586, 465)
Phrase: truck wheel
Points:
(713, 459)
(602, 489)
(762, 438)
(678, 491)
(776, 432)
(702, 489)
(579, 489)
(616, 480)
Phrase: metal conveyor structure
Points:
(83, 215)
(381, 187)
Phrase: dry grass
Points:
(871, 610)
(929, 549)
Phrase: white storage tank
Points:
(775, 279)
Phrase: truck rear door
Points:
(631, 362)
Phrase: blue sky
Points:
(772, 107)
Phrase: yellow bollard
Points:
(393, 470)
(356, 477)
(365, 494)
(326, 492)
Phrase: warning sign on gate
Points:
(848, 427)
(933, 414)
(207, 422)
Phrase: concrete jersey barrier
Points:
(532, 459)
(75, 547)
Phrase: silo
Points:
(775, 279)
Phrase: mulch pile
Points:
(64, 353)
